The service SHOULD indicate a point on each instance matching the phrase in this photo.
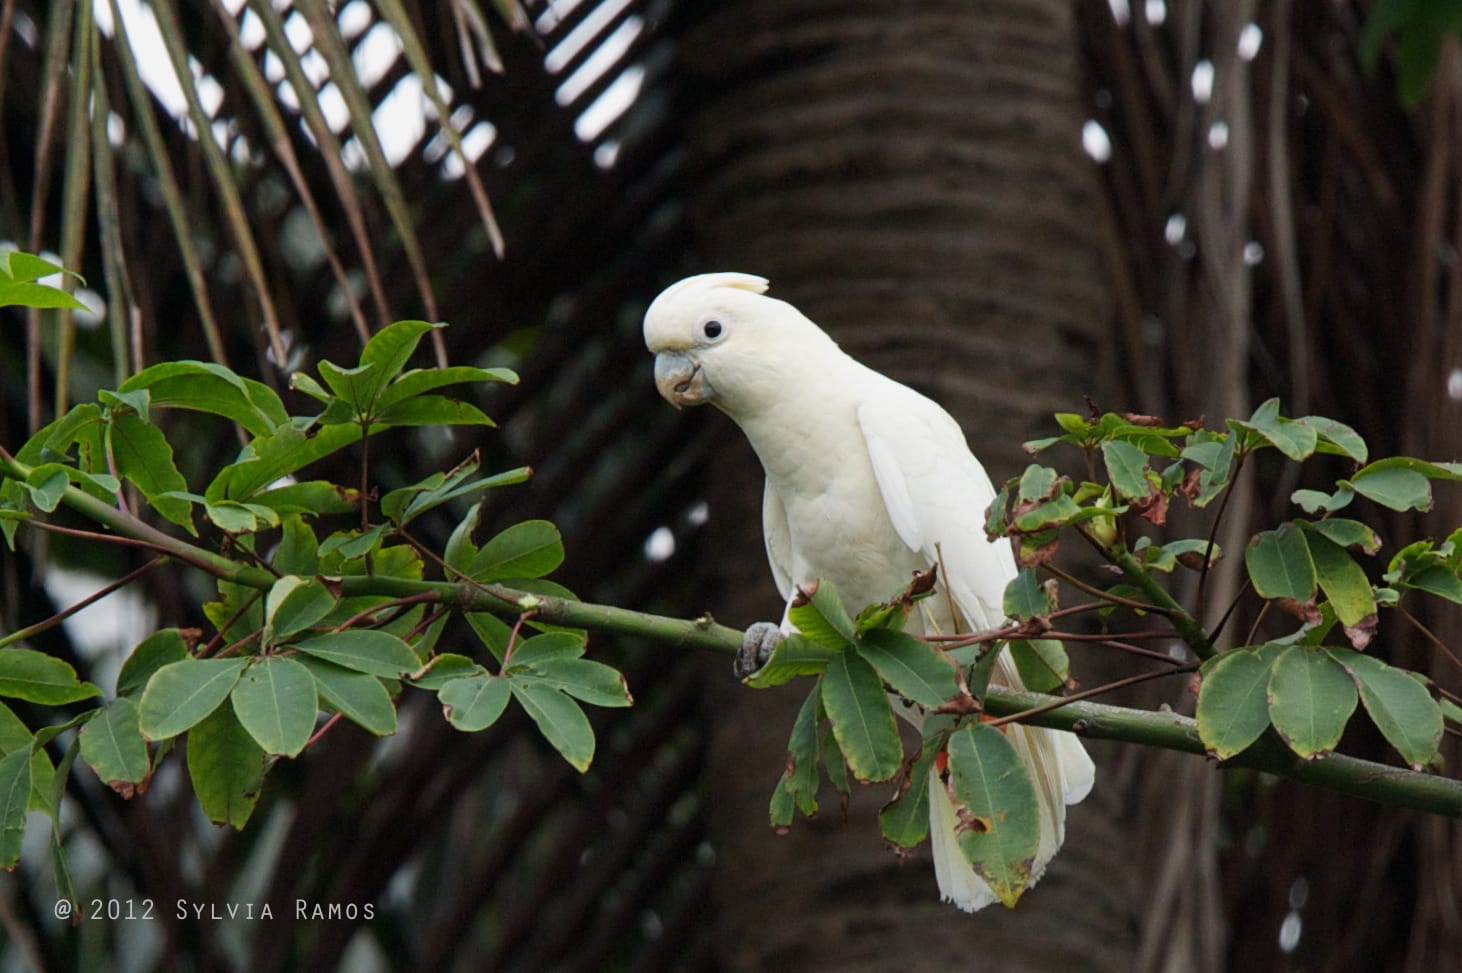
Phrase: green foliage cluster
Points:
(1305, 684)
(322, 612)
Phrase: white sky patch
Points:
(298, 32)
(606, 153)
(615, 100)
(402, 113)
(1250, 40)
(1454, 384)
(1218, 135)
(1175, 229)
(660, 545)
(1253, 253)
(1095, 141)
(251, 31)
(353, 18)
(332, 106)
(375, 54)
(581, 36)
(1156, 12)
(554, 14)
(475, 141)
(602, 60)
(1121, 11)
(698, 514)
(106, 630)
(315, 68)
(1202, 81)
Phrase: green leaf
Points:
(38, 296)
(797, 786)
(460, 549)
(1192, 552)
(1042, 663)
(431, 410)
(796, 655)
(549, 647)
(352, 386)
(40, 678)
(181, 694)
(444, 668)
(1336, 437)
(309, 497)
(268, 458)
(293, 605)
(1396, 487)
(1217, 470)
(15, 789)
(276, 701)
(1346, 533)
(491, 631)
(863, 724)
(363, 650)
(1437, 580)
(1025, 597)
(999, 828)
(419, 380)
(212, 388)
(1037, 483)
(559, 719)
(361, 698)
(1233, 704)
(914, 668)
(474, 702)
(1399, 705)
(592, 682)
(1280, 566)
(350, 544)
(226, 767)
(1316, 501)
(298, 550)
(527, 550)
(1294, 439)
(821, 617)
(390, 349)
(1310, 700)
(47, 485)
(112, 745)
(145, 458)
(905, 820)
(231, 517)
(1127, 469)
(1342, 580)
(14, 735)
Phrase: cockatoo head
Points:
(718, 338)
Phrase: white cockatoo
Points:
(867, 481)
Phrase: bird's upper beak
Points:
(681, 379)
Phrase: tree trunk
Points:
(909, 175)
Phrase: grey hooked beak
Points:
(681, 379)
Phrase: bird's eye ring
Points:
(713, 329)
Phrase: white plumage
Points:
(866, 482)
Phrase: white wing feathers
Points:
(778, 536)
(937, 493)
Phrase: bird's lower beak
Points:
(681, 379)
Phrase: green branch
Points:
(1188, 627)
(1347, 775)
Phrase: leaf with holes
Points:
(998, 818)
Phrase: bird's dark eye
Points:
(713, 329)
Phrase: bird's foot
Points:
(756, 648)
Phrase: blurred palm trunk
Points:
(911, 176)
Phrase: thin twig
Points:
(1095, 691)
(1430, 636)
(1107, 595)
(42, 626)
